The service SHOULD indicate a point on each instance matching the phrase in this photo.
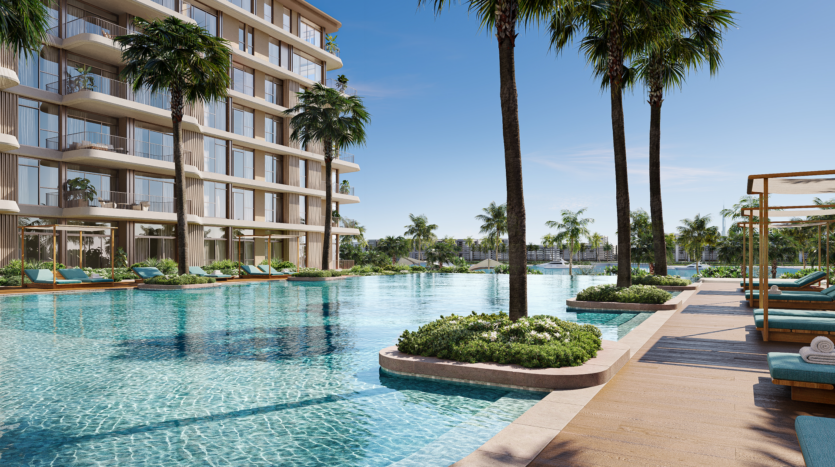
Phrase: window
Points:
(272, 129)
(247, 256)
(272, 207)
(37, 182)
(214, 244)
(243, 163)
(52, 19)
(214, 113)
(214, 155)
(275, 52)
(40, 70)
(302, 173)
(154, 143)
(243, 80)
(245, 38)
(103, 180)
(37, 124)
(96, 248)
(243, 204)
(310, 33)
(246, 5)
(37, 245)
(268, 11)
(243, 121)
(302, 251)
(285, 21)
(273, 90)
(214, 199)
(307, 68)
(302, 209)
(85, 74)
(272, 169)
(153, 241)
(156, 191)
(204, 19)
(88, 127)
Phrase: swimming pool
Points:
(269, 373)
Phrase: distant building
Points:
(541, 254)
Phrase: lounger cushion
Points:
(266, 268)
(829, 291)
(804, 323)
(777, 282)
(147, 273)
(791, 367)
(80, 275)
(253, 271)
(800, 296)
(798, 313)
(44, 276)
(816, 436)
(803, 281)
(197, 271)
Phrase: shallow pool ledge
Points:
(674, 304)
(594, 372)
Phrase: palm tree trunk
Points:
(516, 231)
(619, 142)
(177, 107)
(326, 247)
(656, 211)
(571, 258)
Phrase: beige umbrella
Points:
(406, 261)
(486, 264)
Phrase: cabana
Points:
(52, 282)
(796, 183)
(486, 264)
(269, 238)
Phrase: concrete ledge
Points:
(675, 303)
(158, 287)
(680, 288)
(594, 372)
(316, 279)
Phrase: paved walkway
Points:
(697, 393)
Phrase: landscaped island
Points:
(634, 294)
(533, 342)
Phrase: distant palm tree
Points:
(193, 66)
(695, 234)
(607, 248)
(23, 25)
(395, 247)
(348, 239)
(421, 232)
(494, 223)
(549, 241)
(470, 242)
(571, 228)
(337, 122)
(594, 242)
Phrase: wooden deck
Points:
(697, 393)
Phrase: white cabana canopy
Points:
(406, 261)
(486, 264)
(797, 183)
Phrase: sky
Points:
(435, 144)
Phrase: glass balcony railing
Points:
(344, 190)
(112, 87)
(121, 200)
(119, 145)
(93, 25)
(345, 156)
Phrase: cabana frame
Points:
(55, 228)
(269, 239)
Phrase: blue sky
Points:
(435, 144)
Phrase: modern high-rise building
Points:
(65, 116)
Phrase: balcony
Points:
(343, 88)
(119, 145)
(344, 190)
(345, 156)
(120, 200)
(94, 37)
(111, 87)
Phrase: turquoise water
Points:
(273, 373)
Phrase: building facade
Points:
(538, 253)
(65, 117)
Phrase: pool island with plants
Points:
(647, 293)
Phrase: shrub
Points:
(12, 269)
(185, 279)
(505, 269)
(635, 294)
(418, 269)
(165, 266)
(533, 342)
(660, 280)
(278, 265)
(395, 267)
(803, 272)
(119, 273)
(12, 281)
(317, 273)
(721, 272)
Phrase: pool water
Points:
(269, 373)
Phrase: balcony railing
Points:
(119, 145)
(343, 190)
(170, 4)
(120, 200)
(112, 87)
(93, 25)
(345, 156)
(343, 88)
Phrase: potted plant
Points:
(330, 44)
(345, 188)
(335, 218)
(341, 83)
(84, 80)
(81, 192)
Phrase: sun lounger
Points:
(80, 275)
(816, 436)
(267, 268)
(796, 325)
(253, 272)
(146, 273)
(198, 271)
(809, 382)
(42, 279)
(806, 300)
(805, 282)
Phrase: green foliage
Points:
(533, 342)
(121, 259)
(185, 279)
(12, 269)
(443, 251)
(317, 273)
(805, 272)
(721, 272)
(119, 273)
(418, 269)
(660, 280)
(505, 269)
(165, 266)
(10, 281)
(82, 185)
(278, 264)
(23, 26)
(634, 294)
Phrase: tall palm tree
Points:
(470, 242)
(572, 227)
(337, 122)
(661, 64)
(494, 223)
(502, 18)
(360, 238)
(23, 25)
(695, 234)
(421, 232)
(606, 45)
(549, 241)
(594, 242)
(193, 66)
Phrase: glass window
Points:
(214, 244)
(154, 241)
(154, 144)
(310, 33)
(272, 168)
(242, 163)
(214, 155)
(243, 80)
(40, 70)
(243, 204)
(154, 192)
(272, 207)
(243, 4)
(302, 251)
(275, 53)
(204, 19)
(247, 256)
(272, 129)
(37, 124)
(96, 248)
(302, 173)
(103, 180)
(243, 122)
(87, 127)
(307, 68)
(37, 182)
(302, 209)
(214, 199)
(286, 21)
(214, 114)
(245, 38)
(273, 90)
(268, 11)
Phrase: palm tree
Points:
(661, 64)
(571, 229)
(470, 242)
(193, 66)
(594, 242)
(695, 234)
(23, 25)
(607, 248)
(502, 17)
(360, 238)
(421, 232)
(494, 223)
(395, 247)
(549, 241)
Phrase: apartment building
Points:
(539, 253)
(64, 116)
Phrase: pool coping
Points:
(162, 287)
(316, 279)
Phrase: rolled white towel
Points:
(774, 290)
(810, 356)
(822, 344)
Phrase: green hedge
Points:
(185, 279)
(722, 272)
(321, 274)
(660, 280)
(533, 342)
(635, 294)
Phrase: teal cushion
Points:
(816, 436)
(101, 279)
(799, 313)
(803, 323)
(197, 271)
(800, 296)
(74, 274)
(38, 275)
(777, 282)
(829, 291)
(809, 278)
(267, 268)
(791, 367)
(147, 273)
(253, 271)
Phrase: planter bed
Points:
(680, 288)
(596, 371)
(317, 279)
(675, 303)
(157, 287)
